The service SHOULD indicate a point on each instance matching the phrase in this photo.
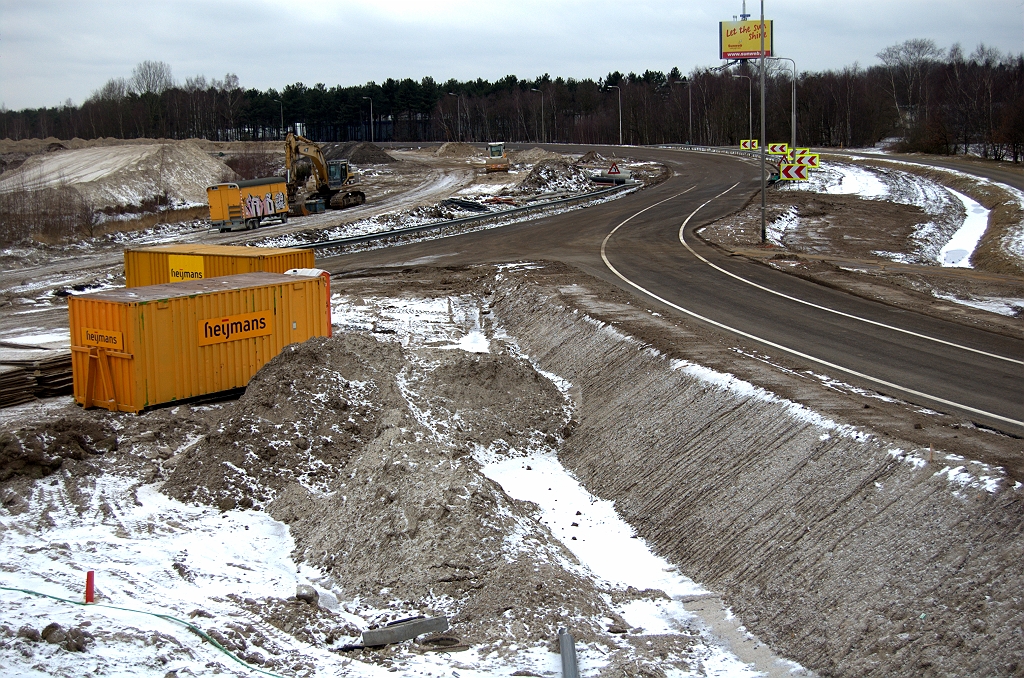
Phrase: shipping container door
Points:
(298, 310)
(162, 381)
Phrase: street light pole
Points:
(793, 104)
(616, 87)
(764, 186)
(278, 101)
(543, 137)
(458, 111)
(371, 118)
(750, 105)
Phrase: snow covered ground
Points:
(871, 183)
(162, 565)
(948, 244)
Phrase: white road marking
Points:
(682, 239)
(800, 354)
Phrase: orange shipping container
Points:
(136, 348)
(180, 263)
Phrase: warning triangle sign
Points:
(614, 169)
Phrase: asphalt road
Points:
(650, 261)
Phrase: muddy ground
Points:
(912, 567)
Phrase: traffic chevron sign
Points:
(749, 145)
(793, 172)
(808, 160)
(778, 149)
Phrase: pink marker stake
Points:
(90, 581)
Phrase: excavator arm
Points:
(331, 176)
(296, 146)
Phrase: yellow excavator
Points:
(332, 178)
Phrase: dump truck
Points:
(244, 205)
(331, 179)
(496, 160)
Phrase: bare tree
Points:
(232, 93)
(151, 77)
(906, 64)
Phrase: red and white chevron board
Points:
(793, 172)
(745, 145)
(778, 149)
(812, 160)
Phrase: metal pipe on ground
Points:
(568, 649)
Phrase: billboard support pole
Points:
(764, 200)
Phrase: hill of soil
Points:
(533, 155)
(357, 153)
(455, 149)
(124, 176)
(549, 176)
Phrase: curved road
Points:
(639, 243)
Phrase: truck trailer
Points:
(244, 205)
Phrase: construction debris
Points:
(405, 629)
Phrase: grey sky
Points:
(51, 51)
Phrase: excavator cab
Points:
(337, 174)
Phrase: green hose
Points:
(190, 626)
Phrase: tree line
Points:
(919, 96)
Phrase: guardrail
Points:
(719, 149)
(381, 235)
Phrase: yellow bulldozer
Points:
(496, 160)
(332, 179)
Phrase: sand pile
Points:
(364, 449)
(33, 146)
(455, 149)
(123, 177)
(592, 158)
(549, 176)
(533, 155)
(357, 153)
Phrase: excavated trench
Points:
(844, 549)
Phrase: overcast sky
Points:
(51, 51)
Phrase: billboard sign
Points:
(742, 39)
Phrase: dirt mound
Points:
(37, 450)
(348, 441)
(592, 157)
(300, 420)
(455, 149)
(357, 153)
(550, 176)
(12, 161)
(532, 155)
(175, 174)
